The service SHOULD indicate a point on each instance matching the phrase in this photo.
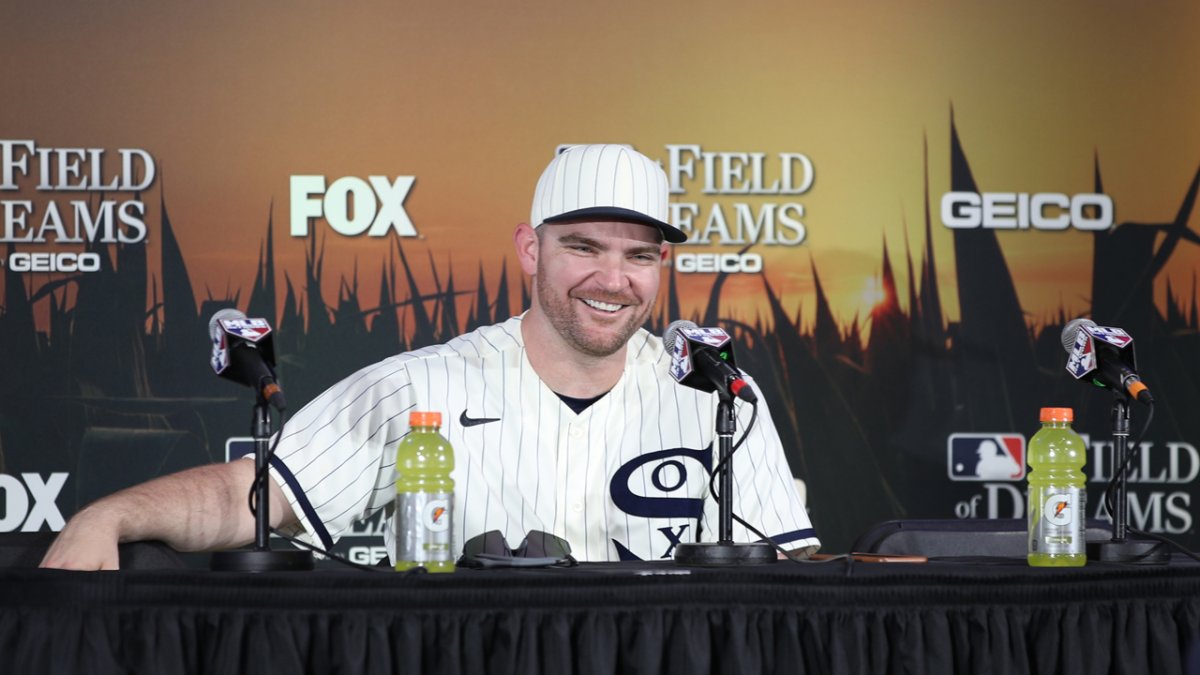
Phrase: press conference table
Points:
(982, 615)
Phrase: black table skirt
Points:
(942, 617)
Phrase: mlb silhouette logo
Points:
(1113, 336)
(1083, 357)
(985, 457)
(713, 337)
(247, 329)
(681, 359)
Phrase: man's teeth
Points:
(603, 306)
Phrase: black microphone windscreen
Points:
(1071, 330)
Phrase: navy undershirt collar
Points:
(579, 404)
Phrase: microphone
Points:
(702, 358)
(243, 352)
(1100, 350)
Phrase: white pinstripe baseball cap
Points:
(592, 182)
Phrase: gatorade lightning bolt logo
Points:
(1058, 510)
(435, 513)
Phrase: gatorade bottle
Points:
(1057, 492)
(424, 496)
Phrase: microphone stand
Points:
(1119, 548)
(725, 552)
(261, 558)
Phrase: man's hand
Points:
(88, 542)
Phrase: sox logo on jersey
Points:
(668, 473)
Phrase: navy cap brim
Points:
(671, 233)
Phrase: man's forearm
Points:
(199, 509)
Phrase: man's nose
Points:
(611, 274)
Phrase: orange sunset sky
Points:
(471, 98)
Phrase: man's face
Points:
(596, 282)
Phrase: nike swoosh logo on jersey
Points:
(473, 421)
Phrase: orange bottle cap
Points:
(424, 419)
(1058, 415)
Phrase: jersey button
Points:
(576, 433)
(577, 507)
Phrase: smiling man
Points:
(563, 419)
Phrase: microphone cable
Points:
(1131, 455)
(260, 475)
(1132, 451)
(712, 489)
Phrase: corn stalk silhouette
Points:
(119, 361)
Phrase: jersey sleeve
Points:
(335, 460)
(764, 488)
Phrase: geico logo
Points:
(17, 511)
(54, 262)
(730, 263)
(367, 555)
(1021, 210)
(378, 205)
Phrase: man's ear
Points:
(525, 239)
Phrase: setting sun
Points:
(872, 294)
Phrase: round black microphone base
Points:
(1135, 551)
(724, 555)
(254, 560)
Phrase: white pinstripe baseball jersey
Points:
(626, 478)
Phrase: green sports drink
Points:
(424, 496)
(1057, 492)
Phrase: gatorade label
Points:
(1059, 530)
(423, 526)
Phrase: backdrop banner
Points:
(893, 210)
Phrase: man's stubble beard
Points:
(561, 312)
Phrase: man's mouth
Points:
(609, 307)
